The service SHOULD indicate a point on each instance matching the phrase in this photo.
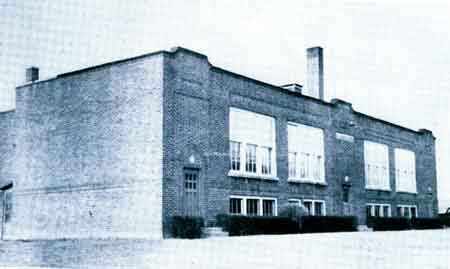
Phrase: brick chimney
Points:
(32, 74)
(314, 73)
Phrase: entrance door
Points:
(191, 192)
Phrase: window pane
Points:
(406, 212)
(266, 160)
(250, 155)
(292, 163)
(235, 155)
(413, 212)
(369, 211)
(252, 207)
(268, 207)
(235, 205)
(386, 211)
(399, 211)
(308, 206)
(377, 210)
(318, 209)
(317, 168)
(303, 165)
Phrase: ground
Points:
(406, 249)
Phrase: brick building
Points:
(115, 150)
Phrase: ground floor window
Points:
(378, 210)
(253, 206)
(314, 207)
(407, 211)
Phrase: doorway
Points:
(191, 188)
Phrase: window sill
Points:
(254, 176)
(377, 189)
(306, 181)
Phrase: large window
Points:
(252, 144)
(305, 153)
(376, 163)
(253, 206)
(407, 211)
(378, 210)
(405, 171)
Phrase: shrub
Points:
(294, 212)
(323, 224)
(187, 227)
(245, 225)
(426, 223)
(388, 224)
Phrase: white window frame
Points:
(371, 185)
(372, 209)
(403, 207)
(243, 147)
(302, 149)
(260, 204)
(411, 186)
(313, 208)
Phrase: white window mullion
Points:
(260, 207)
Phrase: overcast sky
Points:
(390, 59)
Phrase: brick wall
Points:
(197, 101)
(88, 154)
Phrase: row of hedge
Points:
(397, 224)
(244, 225)
(235, 225)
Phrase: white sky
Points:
(391, 60)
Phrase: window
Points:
(376, 163)
(253, 206)
(235, 157)
(306, 153)
(250, 158)
(407, 211)
(268, 207)
(292, 164)
(266, 162)
(252, 144)
(378, 210)
(405, 171)
(315, 207)
(235, 205)
(190, 180)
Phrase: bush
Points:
(389, 224)
(187, 227)
(426, 223)
(294, 212)
(244, 225)
(398, 223)
(323, 224)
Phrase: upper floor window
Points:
(252, 143)
(376, 164)
(405, 171)
(305, 153)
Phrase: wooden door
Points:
(191, 192)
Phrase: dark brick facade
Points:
(197, 101)
(113, 141)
